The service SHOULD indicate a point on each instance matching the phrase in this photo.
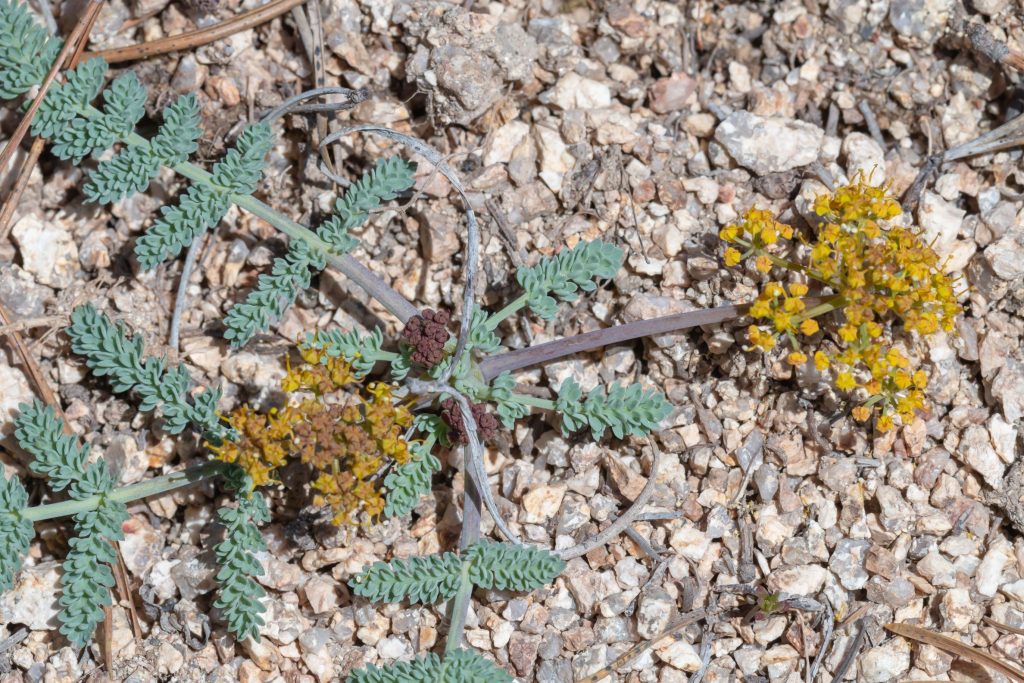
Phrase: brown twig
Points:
(203, 36)
(957, 648)
(76, 34)
(985, 43)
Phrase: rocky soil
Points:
(650, 124)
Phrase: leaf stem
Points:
(495, 318)
(458, 610)
(533, 401)
(143, 489)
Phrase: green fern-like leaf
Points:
(15, 531)
(109, 352)
(407, 483)
(564, 274)
(240, 597)
(132, 169)
(459, 666)
(481, 337)
(502, 393)
(506, 566)
(416, 579)
(626, 410)
(66, 101)
(204, 205)
(275, 292)
(124, 105)
(87, 579)
(361, 351)
(55, 455)
(26, 50)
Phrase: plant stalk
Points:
(495, 319)
(143, 489)
(459, 609)
(493, 366)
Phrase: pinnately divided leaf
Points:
(361, 351)
(570, 270)
(15, 531)
(57, 456)
(203, 205)
(425, 579)
(132, 169)
(87, 576)
(506, 566)
(66, 101)
(409, 482)
(26, 50)
(124, 104)
(509, 410)
(626, 410)
(240, 597)
(459, 666)
(109, 352)
(275, 291)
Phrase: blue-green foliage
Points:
(626, 410)
(203, 205)
(26, 50)
(66, 101)
(132, 169)
(459, 666)
(361, 351)
(124, 103)
(240, 597)
(406, 484)
(15, 530)
(430, 578)
(109, 352)
(87, 579)
(275, 291)
(502, 393)
(564, 274)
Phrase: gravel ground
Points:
(651, 125)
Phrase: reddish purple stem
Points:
(542, 353)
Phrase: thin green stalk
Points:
(495, 318)
(458, 610)
(143, 489)
(831, 304)
(533, 401)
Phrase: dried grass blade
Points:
(954, 646)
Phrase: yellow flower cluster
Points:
(871, 278)
(347, 433)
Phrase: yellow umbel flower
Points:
(875, 283)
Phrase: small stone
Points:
(990, 572)
(522, 652)
(142, 545)
(128, 463)
(1006, 258)
(769, 144)
(503, 142)
(957, 609)
(653, 614)
(169, 659)
(321, 594)
(20, 293)
(885, 662)
(920, 21)
(576, 92)
(679, 654)
(976, 450)
(14, 390)
(940, 221)
(864, 156)
(671, 94)
(33, 599)
(800, 580)
(939, 571)
(847, 562)
(542, 503)
(48, 251)
(690, 542)
(628, 482)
